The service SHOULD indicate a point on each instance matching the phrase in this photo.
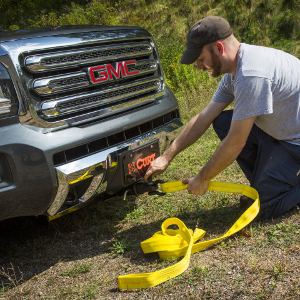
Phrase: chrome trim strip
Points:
(5, 105)
(61, 195)
(36, 63)
(47, 85)
(85, 199)
(52, 109)
(113, 109)
(65, 181)
(81, 169)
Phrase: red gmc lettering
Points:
(128, 63)
(102, 75)
(117, 73)
(108, 72)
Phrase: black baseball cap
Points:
(205, 31)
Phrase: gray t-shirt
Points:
(266, 85)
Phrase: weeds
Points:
(200, 270)
(12, 278)
(283, 235)
(91, 292)
(120, 247)
(77, 270)
(136, 213)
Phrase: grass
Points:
(77, 270)
(244, 267)
(75, 266)
(81, 255)
(135, 214)
(121, 246)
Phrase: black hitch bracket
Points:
(149, 187)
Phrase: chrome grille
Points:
(93, 82)
(141, 67)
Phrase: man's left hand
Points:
(196, 185)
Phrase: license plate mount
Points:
(137, 161)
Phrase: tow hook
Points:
(150, 187)
(155, 183)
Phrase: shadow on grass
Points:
(32, 245)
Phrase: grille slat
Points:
(67, 82)
(39, 63)
(106, 96)
(61, 60)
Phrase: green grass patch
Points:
(121, 246)
(77, 270)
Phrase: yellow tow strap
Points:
(171, 243)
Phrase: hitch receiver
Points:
(149, 187)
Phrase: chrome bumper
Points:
(100, 164)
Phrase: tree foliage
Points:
(17, 14)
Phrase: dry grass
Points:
(80, 256)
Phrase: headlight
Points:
(8, 96)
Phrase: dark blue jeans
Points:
(271, 166)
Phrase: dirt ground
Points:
(80, 256)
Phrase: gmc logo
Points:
(109, 72)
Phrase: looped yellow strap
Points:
(182, 242)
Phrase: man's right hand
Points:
(157, 167)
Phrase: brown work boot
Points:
(245, 201)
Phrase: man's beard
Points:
(215, 65)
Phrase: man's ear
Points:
(219, 46)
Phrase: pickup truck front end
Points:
(83, 112)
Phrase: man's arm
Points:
(226, 153)
(189, 135)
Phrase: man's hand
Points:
(157, 167)
(196, 185)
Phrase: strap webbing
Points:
(182, 242)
